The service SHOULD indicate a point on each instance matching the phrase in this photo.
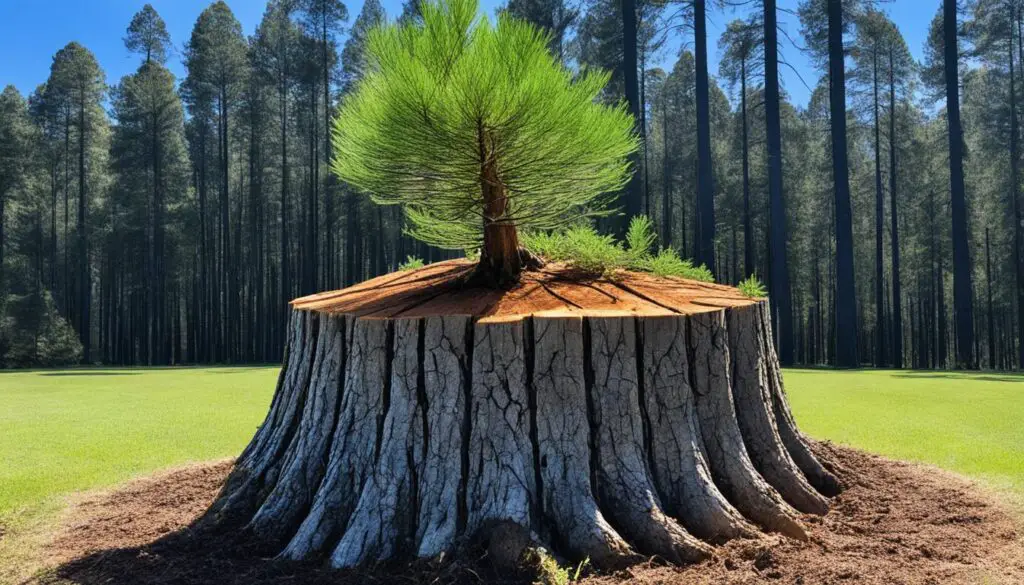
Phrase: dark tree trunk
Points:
(962, 288)
(1018, 230)
(778, 283)
(880, 359)
(846, 307)
(666, 169)
(991, 324)
(632, 206)
(897, 293)
(84, 272)
(748, 226)
(705, 244)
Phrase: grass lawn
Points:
(970, 423)
(69, 430)
(72, 430)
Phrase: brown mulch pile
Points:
(898, 523)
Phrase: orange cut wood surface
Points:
(439, 289)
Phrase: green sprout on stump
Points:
(752, 287)
(477, 131)
(411, 263)
(582, 248)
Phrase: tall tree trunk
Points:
(748, 226)
(778, 283)
(285, 275)
(84, 274)
(880, 360)
(897, 293)
(988, 283)
(1018, 230)
(330, 276)
(962, 288)
(227, 271)
(846, 299)
(632, 194)
(705, 245)
(666, 180)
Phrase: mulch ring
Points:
(898, 523)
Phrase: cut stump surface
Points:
(610, 418)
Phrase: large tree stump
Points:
(606, 417)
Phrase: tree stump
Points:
(609, 418)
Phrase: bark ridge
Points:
(611, 434)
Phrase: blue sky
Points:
(31, 31)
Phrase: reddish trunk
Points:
(500, 262)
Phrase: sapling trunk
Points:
(500, 261)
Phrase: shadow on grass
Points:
(102, 373)
(1000, 377)
(126, 370)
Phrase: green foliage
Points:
(33, 334)
(752, 287)
(443, 99)
(640, 237)
(411, 263)
(583, 248)
(549, 572)
(147, 35)
(668, 263)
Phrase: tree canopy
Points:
(469, 124)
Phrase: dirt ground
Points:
(898, 523)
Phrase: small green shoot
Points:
(752, 287)
(584, 249)
(411, 263)
(549, 572)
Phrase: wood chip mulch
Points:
(897, 524)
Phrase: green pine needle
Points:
(444, 96)
(752, 287)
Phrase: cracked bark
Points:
(603, 433)
(731, 467)
(678, 463)
(306, 459)
(755, 412)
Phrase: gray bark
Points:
(731, 467)
(678, 463)
(597, 435)
(755, 412)
(352, 451)
(307, 456)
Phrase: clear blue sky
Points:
(31, 31)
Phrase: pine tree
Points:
(79, 85)
(742, 62)
(147, 35)
(16, 150)
(483, 134)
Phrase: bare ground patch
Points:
(898, 523)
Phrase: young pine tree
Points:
(478, 131)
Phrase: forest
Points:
(153, 221)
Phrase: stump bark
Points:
(610, 418)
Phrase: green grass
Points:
(971, 424)
(63, 431)
(73, 430)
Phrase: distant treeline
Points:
(175, 225)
